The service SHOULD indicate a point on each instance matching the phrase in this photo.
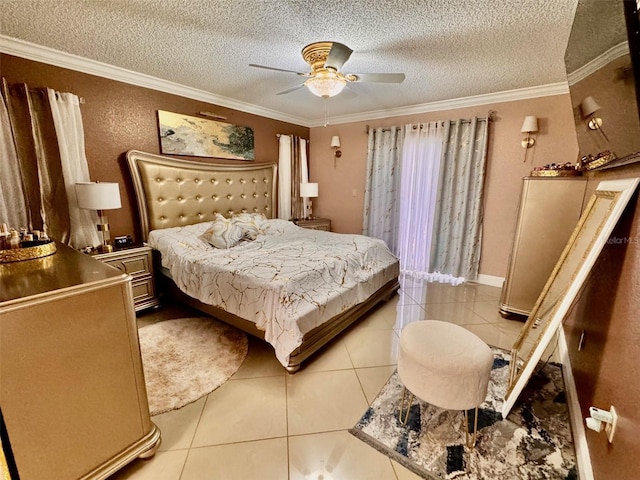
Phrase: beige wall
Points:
(555, 142)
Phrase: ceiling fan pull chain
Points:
(326, 111)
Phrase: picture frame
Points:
(201, 137)
(566, 280)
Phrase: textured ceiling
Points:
(448, 49)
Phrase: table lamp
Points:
(99, 196)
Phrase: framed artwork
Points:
(200, 137)
(580, 254)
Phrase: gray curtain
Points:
(381, 199)
(458, 224)
(13, 204)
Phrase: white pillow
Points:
(223, 233)
(250, 223)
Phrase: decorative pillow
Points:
(250, 223)
(223, 233)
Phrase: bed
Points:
(179, 203)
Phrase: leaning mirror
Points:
(585, 244)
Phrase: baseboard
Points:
(490, 280)
(583, 459)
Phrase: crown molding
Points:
(597, 63)
(39, 53)
(551, 89)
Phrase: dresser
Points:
(315, 224)
(72, 387)
(137, 262)
(549, 212)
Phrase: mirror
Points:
(585, 244)
(599, 66)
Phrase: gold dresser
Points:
(72, 387)
(549, 211)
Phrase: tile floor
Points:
(266, 424)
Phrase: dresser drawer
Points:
(136, 264)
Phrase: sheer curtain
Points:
(67, 120)
(458, 227)
(380, 216)
(420, 169)
(293, 170)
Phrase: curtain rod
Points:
(490, 117)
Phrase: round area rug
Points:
(188, 358)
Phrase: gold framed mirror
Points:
(567, 278)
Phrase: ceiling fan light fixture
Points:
(325, 84)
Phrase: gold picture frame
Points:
(567, 278)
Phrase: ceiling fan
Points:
(325, 79)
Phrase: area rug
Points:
(188, 358)
(533, 442)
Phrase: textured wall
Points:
(607, 369)
(119, 117)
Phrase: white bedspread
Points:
(288, 281)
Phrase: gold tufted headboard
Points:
(173, 192)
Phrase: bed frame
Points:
(173, 192)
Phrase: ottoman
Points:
(445, 365)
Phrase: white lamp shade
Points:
(98, 195)
(335, 141)
(308, 190)
(530, 124)
(589, 106)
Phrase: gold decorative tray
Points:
(555, 173)
(27, 253)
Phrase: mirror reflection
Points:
(601, 81)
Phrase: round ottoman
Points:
(445, 365)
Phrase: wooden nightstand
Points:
(315, 224)
(137, 262)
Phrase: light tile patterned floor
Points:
(266, 424)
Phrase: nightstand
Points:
(137, 262)
(315, 223)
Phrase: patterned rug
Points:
(188, 358)
(533, 442)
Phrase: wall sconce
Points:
(99, 196)
(589, 107)
(335, 144)
(529, 126)
(308, 191)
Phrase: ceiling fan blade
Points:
(338, 56)
(290, 89)
(377, 77)
(278, 69)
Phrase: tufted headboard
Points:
(173, 192)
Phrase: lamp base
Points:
(104, 248)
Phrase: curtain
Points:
(67, 120)
(380, 219)
(423, 196)
(293, 170)
(419, 174)
(49, 143)
(13, 205)
(458, 226)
